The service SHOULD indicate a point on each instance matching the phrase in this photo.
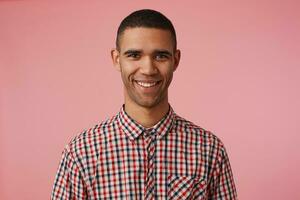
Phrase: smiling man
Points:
(146, 58)
(146, 151)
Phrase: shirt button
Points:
(148, 132)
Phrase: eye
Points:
(133, 55)
(161, 57)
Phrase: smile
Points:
(147, 84)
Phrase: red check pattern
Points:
(120, 159)
(150, 180)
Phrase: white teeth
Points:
(143, 84)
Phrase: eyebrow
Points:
(130, 51)
(157, 51)
(163, 52)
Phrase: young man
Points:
(146, 151)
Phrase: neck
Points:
(146, 116)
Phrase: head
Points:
(146, 18)
(146, 55)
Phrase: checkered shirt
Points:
(120, 159)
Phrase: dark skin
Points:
(146, 59)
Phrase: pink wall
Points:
(239, 77)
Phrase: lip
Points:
(147, 81)
(148, 88)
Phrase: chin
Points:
(150, 103)
(147, 104)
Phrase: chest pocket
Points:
(186, 188)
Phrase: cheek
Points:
(128, 67)
(167, 71)
(127, 73)
(168, 75)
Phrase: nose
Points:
(147, 66)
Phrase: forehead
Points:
(146, 39)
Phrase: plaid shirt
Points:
(120, 159)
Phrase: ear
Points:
(177, 56)
(115, 56)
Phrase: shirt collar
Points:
(133, 129)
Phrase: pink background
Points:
(239, 77)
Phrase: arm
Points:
(69, 183)
(222, 185)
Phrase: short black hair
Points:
(146, 18)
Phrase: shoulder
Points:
(87, 142)
(191, 128)
(208, 143)
(202, 135)
(81, 154)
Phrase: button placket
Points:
(149, 138)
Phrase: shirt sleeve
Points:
(69, 183)
(222, 185)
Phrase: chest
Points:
(178, 165)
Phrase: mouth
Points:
(147, 84)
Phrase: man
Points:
(146, 151)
